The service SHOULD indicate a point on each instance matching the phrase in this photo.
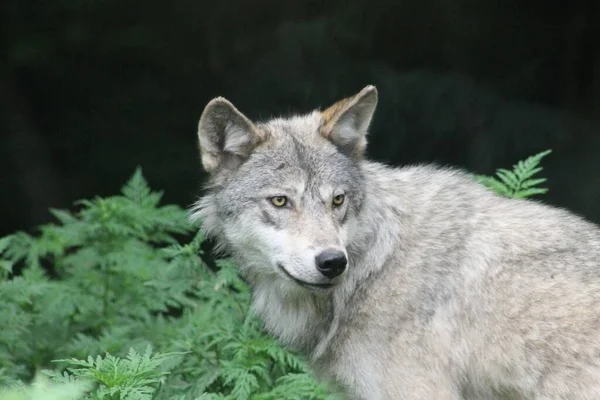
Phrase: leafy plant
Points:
(136, 377)
(116, 300)
(118, 276)
(520, 182)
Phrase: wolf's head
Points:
(285, 193)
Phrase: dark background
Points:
(91, 89)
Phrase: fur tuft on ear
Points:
(226, 137)
(346, 122)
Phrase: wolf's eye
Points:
(338, 200)
(279, 201)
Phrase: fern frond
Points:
(517, 183)
(136, 376)
(138, 191)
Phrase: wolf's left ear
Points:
(346, 122)
(226, 137)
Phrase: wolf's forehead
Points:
(292, 162)
(292, 158)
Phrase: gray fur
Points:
(450, 291)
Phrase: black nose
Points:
(331, 263)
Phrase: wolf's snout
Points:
(331, 263)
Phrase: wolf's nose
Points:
(331, 263)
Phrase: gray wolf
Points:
(413, 282)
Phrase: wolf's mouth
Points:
(305, 284)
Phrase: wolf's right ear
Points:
(226, 137)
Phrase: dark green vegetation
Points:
(116, 301)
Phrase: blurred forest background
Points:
(91, 89)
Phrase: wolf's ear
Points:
(346, 122)
(226, 137)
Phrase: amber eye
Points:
(338, 200)
(279, 201)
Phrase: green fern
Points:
(136, 377)
(520, 182)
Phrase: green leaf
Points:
(64, 216)
(138, 191)
(529, 192)
(509, 178)
(532, 182)
(4, 243)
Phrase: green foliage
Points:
(42, 389)
(122, 275)
(520, 182)
(115, 301)
(136, 377)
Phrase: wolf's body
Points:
(450, 291)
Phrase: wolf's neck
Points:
(299, 320)
(307, 322)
